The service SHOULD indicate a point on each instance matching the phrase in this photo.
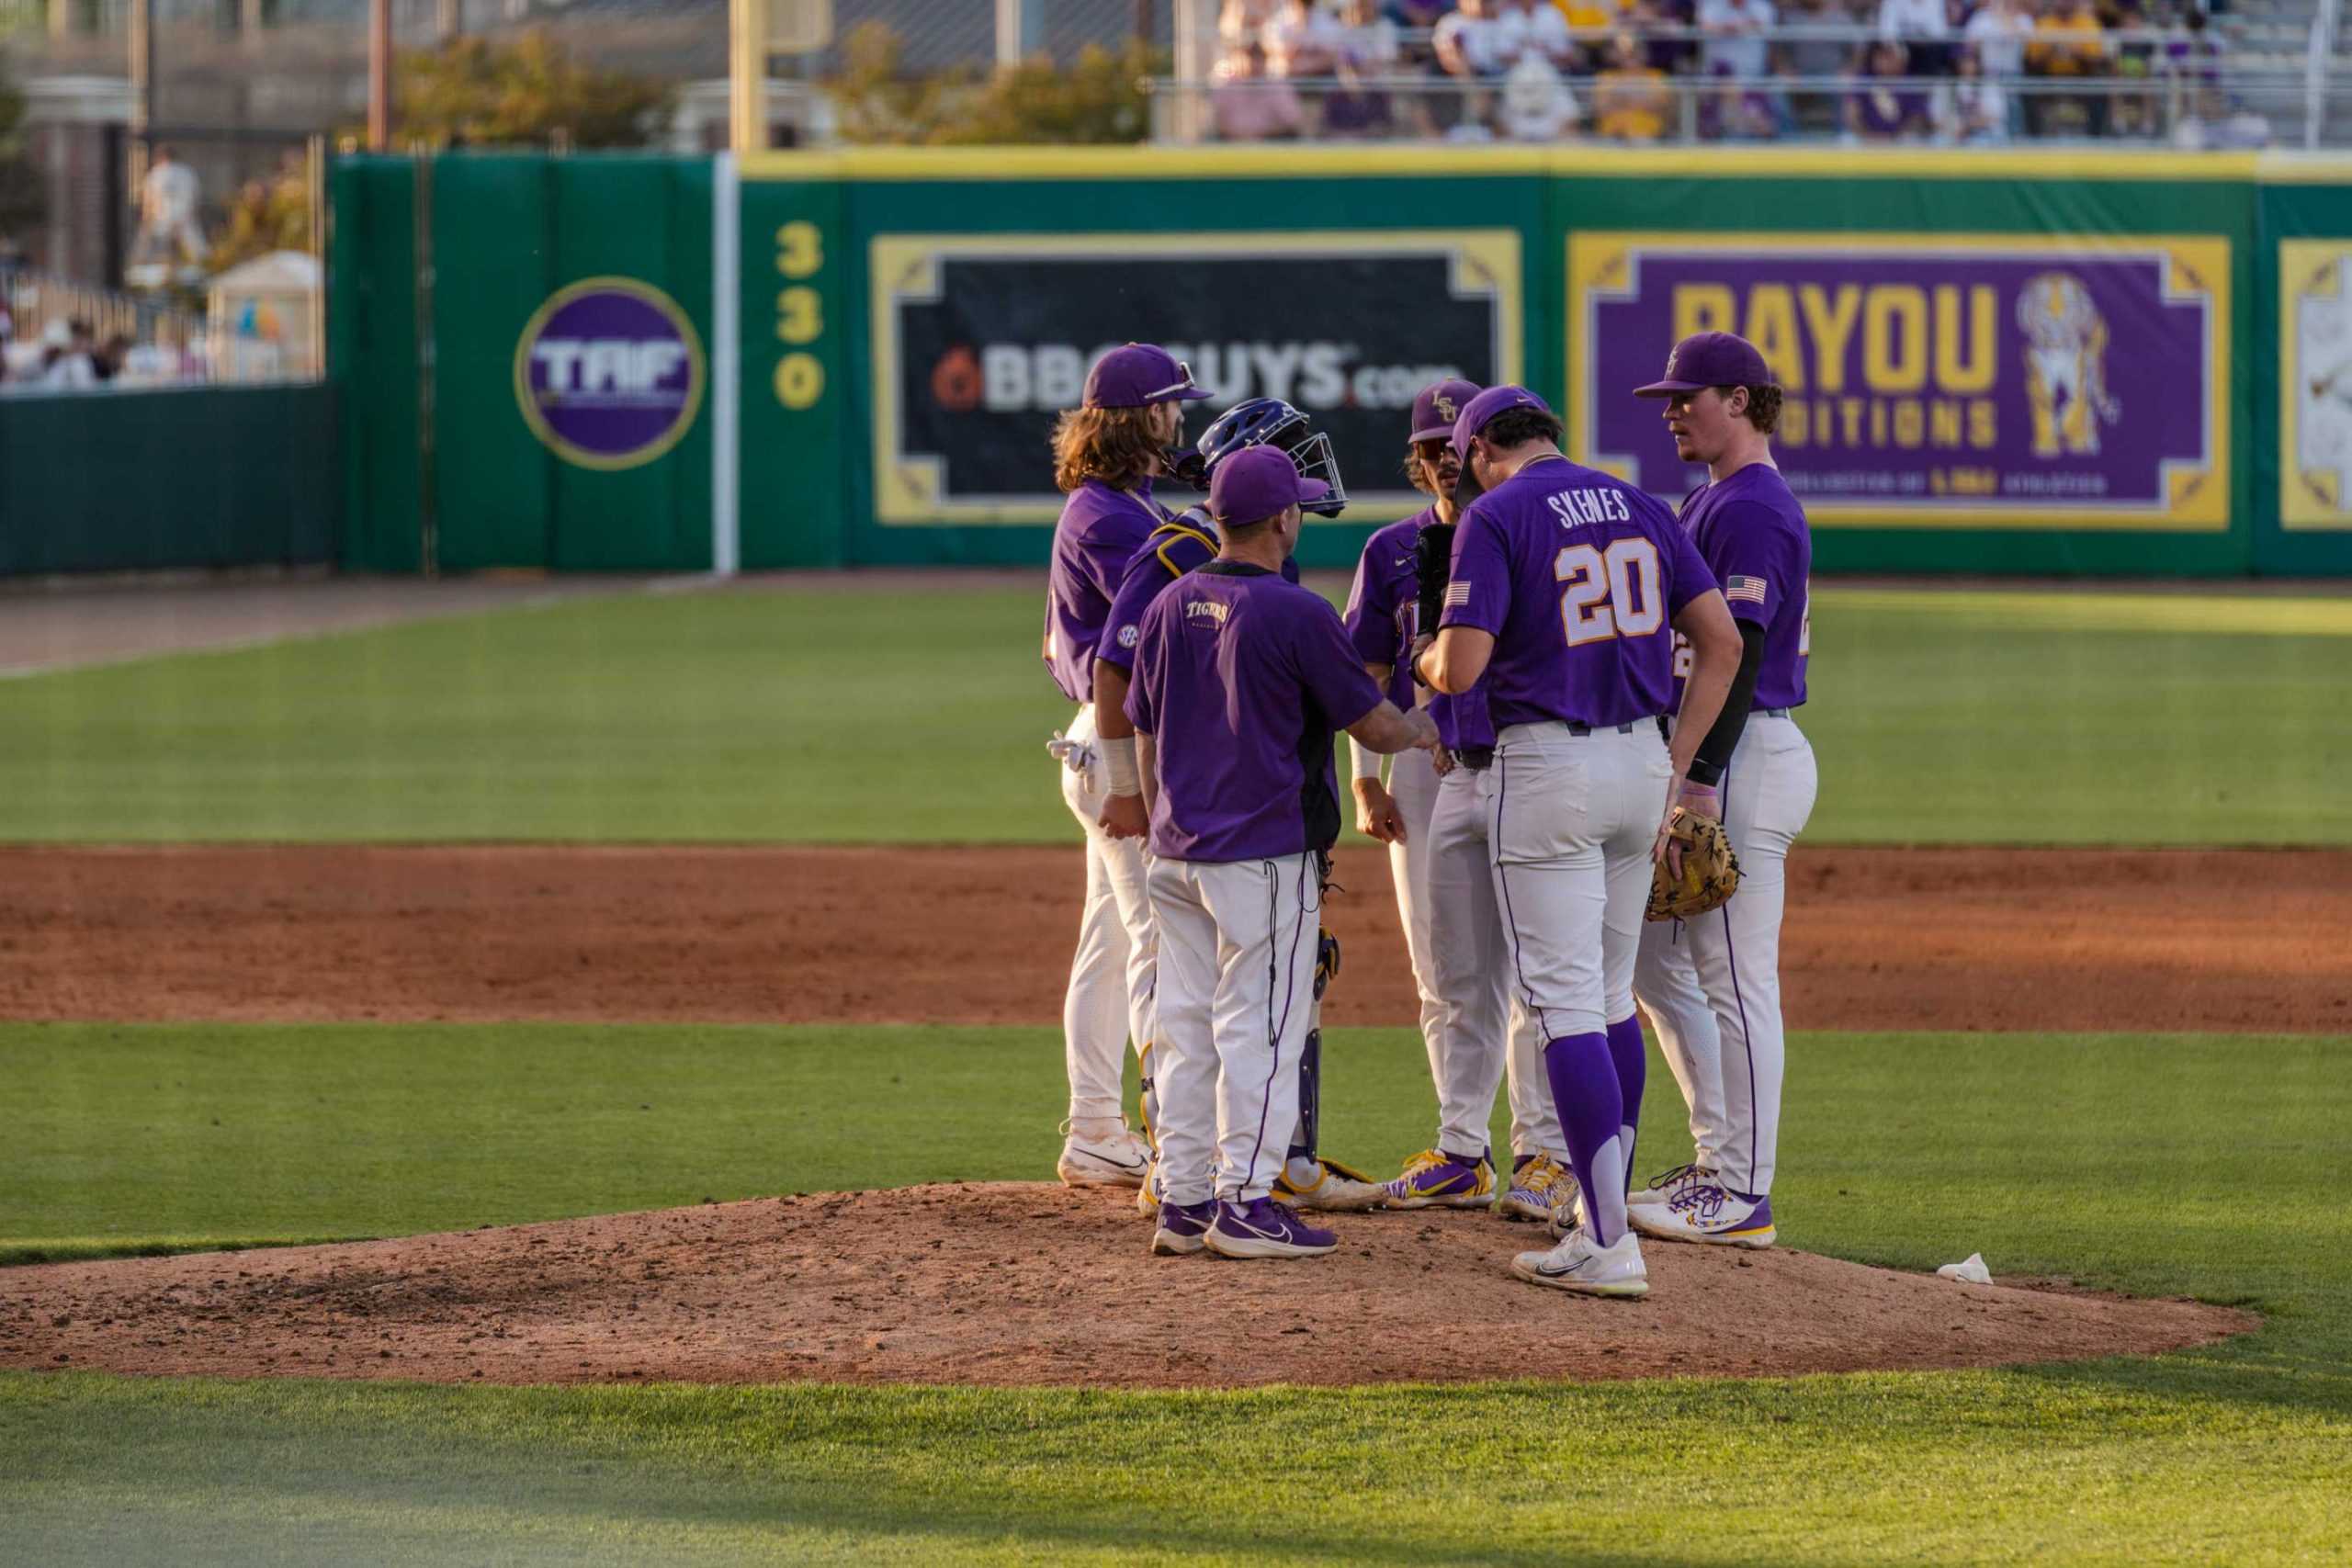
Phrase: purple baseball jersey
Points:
(1383, 618)
(1752, 535)
(1182, 544)
(1383, 607)
(1241, 679)
(1578, 576)
(1100, 531)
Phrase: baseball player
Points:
(1562, 582)
(1176, 547)
(1240, 679)
(1428, 814)
(1711, 984)
(1106, 453)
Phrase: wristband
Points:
(1366, 761)
(1119, 765)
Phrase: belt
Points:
(1769, 712)
(1478, 759)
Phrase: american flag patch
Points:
(1749, 588)
(1457, 593)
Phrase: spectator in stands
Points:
(1240, 22)
(2192, 53)
(1537, 103)
(1534, 27)
(1369, 52)
(1815, 58)
(1301, 41)
(1977, 111)
(1631, 101)
(1673, 56)
(1247, 106)
(1470, 43)
(1997, 32)
(1736, 30)
(168, 233)
(1922, 27)
(1413, 20)
(1887, 105)
(2069, 44)
(69, 362)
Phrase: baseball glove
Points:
(1432, 566)
(1710, 871)
(1326, 962)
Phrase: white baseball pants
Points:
(1413, 781)
(1237, 990)
(1483, 1034)
(1712, 986)
(1573, 818)
(1113, 974)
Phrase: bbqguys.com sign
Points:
(609, 373)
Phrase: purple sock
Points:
(1633, 1067)
(1591, 1107)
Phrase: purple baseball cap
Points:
(1137, 375)
(1482, 410)
(1710, 359)
(1257, 482)
(1438, 405)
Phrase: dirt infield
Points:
(1020, 1284)
(1972, 939)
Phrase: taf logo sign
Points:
(609, 373)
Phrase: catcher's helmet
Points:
(1268, 422)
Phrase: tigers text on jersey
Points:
(1752, 533)
(1100, 531)
(1240, 679)
(1578, 576)
(1181, 543)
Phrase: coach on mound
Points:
(1240, 679)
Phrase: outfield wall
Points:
(2115, 364)
(169, 479)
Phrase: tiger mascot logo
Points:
(2065, 365)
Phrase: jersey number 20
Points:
(1611, 592)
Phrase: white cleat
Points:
(1664, 1189)
(1578, 1265)
(1336, 1189)
(1119, 1160)
(1708, 1213)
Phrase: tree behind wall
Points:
(21, 199)
(478, 92)
(1098, 98)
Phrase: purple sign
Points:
(609, 373)
(1930, 380)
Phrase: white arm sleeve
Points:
(1366, 763)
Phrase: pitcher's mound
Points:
(1022, 1283)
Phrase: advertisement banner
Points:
(2314, 384)
(609, 373)
(980, 341)
(1930, 380)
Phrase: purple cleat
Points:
(1434, 1177)
(1263, 1228)
(1181, 1226)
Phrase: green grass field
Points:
(2161, 1166)
(2196, 1164)
(851, 712)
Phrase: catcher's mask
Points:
(1265, 422)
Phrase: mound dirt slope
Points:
(1876, 939)
(1020, 1284)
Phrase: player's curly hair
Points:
(1763, 409)
(1517, 427)
(1413, 475)
(1111, 445)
